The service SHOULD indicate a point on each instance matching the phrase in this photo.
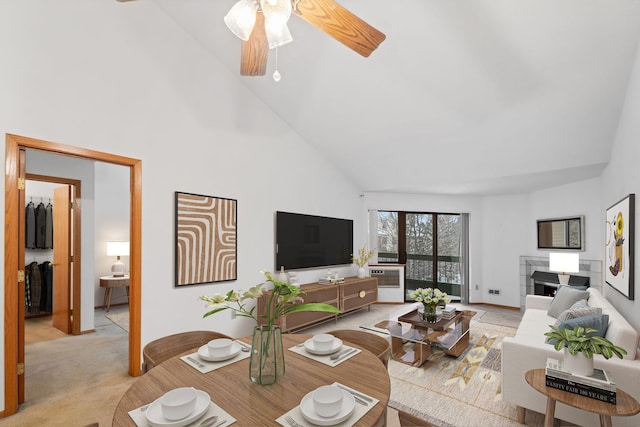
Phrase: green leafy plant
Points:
(579, 340)
(282, 300)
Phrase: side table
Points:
(110, 282)
(625, 405)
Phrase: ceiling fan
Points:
(326, 15)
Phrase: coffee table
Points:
(412, 338)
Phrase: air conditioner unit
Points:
(390, 281)
(386, 278)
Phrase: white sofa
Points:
(528, 350)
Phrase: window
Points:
(431, 245)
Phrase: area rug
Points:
(120, 319)
(463, 391)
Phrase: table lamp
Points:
(563, 264)
(118, 249)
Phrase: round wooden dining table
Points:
(258, 405)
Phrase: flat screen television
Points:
(306, 241)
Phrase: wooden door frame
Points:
(13, 145)
(77, 246)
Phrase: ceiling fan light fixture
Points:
(276, 15)
(277, 35)
(242, 18)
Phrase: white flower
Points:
(430, 296)
(214, 301)
(254, 292)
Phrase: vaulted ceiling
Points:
(463, 97)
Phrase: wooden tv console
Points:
(351, 295)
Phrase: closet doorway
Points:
(14, 254)
(51, 246)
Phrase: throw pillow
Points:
(577, 311)
(565, 298)
(599, 322)
(576, 287)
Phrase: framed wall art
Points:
(619, 246)
(206, 236)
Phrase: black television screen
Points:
(305, 241)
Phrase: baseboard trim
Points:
(506, 307)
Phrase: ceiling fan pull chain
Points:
(276, 73)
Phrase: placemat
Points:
(326, 359)
(138, 416)
(205, 366)
(364, 403)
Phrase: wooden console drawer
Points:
(358, 293)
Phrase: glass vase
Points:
(429, 313)
(267, 357)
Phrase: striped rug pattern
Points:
(205, 239)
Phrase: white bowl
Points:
(323, 341)
(178, 403)
(219, 347)
(327, 400)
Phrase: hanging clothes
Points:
(27, 289)
(48, 226)
(46, 275)
(30, 226)
(40, 225)
(35, 279)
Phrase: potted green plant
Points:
(581, 340)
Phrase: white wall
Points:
(621, 177)
(503, 240)
(580, 198)
(128, 81)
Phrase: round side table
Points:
(625, 405)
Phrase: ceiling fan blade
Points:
(255, 51)
(340, 24)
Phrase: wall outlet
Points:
(477, 287)
(233, 314)
(494, 291)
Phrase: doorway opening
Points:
(14, 254)
(52, 220)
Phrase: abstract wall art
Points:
(619, 246)
(206, 236)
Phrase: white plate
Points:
(309, 414)
(203, 353)
(155, 418)
(308, 345)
